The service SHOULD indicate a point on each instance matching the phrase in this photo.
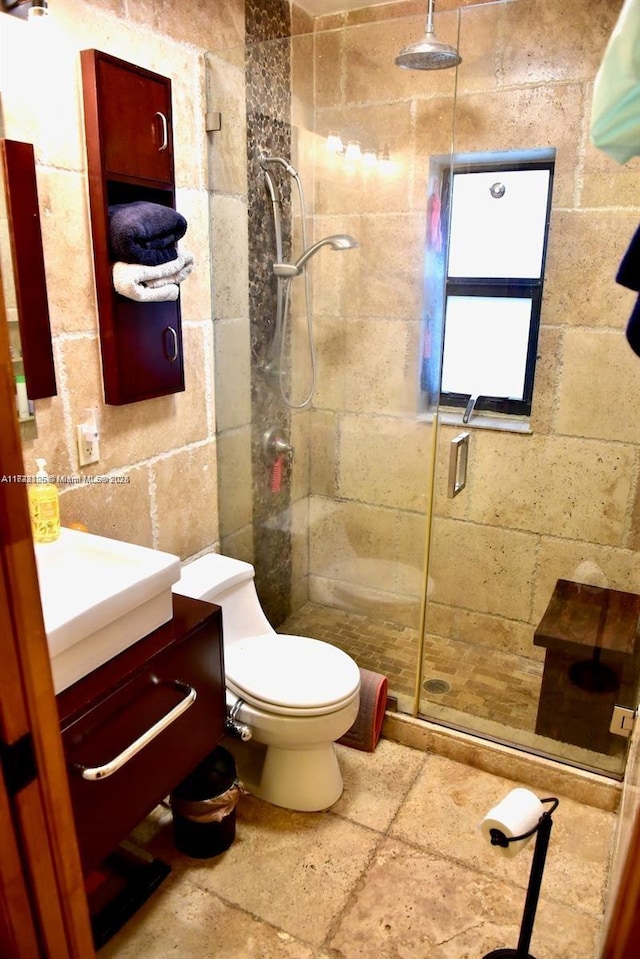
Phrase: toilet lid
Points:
(294, 672)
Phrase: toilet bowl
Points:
(295, 694)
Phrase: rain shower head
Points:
(429, 53)
(338, 241)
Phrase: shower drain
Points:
(436, 686)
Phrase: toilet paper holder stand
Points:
(542, 831)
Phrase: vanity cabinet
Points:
(129, 139)
(171, 681)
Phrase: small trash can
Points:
(204, 807)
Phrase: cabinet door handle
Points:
(94, 773)
(172, 353)
(165, 131)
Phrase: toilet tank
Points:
(229, 583)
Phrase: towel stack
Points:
(144, 238)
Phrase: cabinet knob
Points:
(165, 131)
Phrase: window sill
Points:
(483, 421)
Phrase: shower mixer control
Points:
(274, 446)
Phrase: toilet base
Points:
(304, 780)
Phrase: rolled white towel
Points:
(182, 267)
(152, 284)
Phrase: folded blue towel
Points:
(143, 232)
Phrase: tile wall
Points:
(165, 447)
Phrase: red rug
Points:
(365, 732)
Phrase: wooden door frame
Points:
(49, 903)
(18, 932)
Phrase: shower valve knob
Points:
(274, 446)
(282, 448)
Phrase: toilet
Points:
(295, 695)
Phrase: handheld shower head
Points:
(280, 161)
(429, 53)
(338, 241)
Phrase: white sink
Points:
(99, 596)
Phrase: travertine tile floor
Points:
(396, 869)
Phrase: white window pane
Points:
(498, 237)
(485, 349)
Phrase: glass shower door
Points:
(534, 576)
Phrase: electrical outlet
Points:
(88, 446)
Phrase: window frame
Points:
(516, 287)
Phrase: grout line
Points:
(383, 835)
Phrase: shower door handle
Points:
(458, 458)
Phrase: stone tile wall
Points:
(167, 446)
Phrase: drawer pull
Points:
(101, 772)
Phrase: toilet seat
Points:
(290, 675)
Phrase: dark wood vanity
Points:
(177, 670)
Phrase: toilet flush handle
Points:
(233, 727)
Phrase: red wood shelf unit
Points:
(128, 130)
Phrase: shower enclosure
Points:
(341, 502)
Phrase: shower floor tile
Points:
(488, 692)
(493, 685)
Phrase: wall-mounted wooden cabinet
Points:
(30, 330)
(128, 129)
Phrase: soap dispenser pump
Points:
(44, 506)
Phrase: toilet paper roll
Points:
(517, 813)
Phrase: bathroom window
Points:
(494, 209)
